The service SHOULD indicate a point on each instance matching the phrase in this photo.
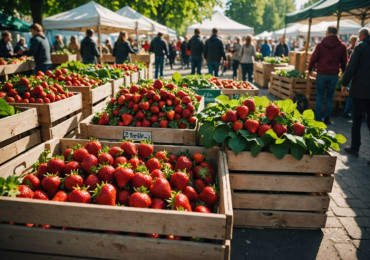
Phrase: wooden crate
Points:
(117, 83)
(267, 69)
(62, 58)
(90, 241)
(286, 88)
(233, 93)
(17, 68)
(286, 193)
(148, 59)
(142, 74)
(297, 59)
(92, 97)
(259, 77)
(156, 134)
(18, 133)
(134, 77)
(58, 118)
(107, 58)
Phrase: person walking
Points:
(21, 47)
(358, 72)
(89, 49)
(122, 48)
(6, 47)
(247, 57)
(58, 44)
(196, 48)
(172, 53)
(330, 55)
(265, 49)
(282, 49)
(214, 51)
(73, 46)
(235, 58)
(185, 53)
(347, 112)
(159, 47)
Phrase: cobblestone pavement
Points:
(347, 231)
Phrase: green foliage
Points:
(6, 109)
(291, 73)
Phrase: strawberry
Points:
(231, 116)
(250, 104)
(161, 155)
(199, 184)
(51, 184)
(161, 188)
(172, 237)
(55, 165)
(134, 89)
(25, 192)
(144, 105)
(183, 163)
(127, 119)
(145, 149)
(32, 181)
(179, 201)
(192, 120)
(140, 199)
(105, 194)
(158, 203)
(208, 195)
(202, 209)
(67, 152)
(191, 193)
(119, 160)
(170, 114)
(105, 158)
(279, 129)
(115, 151)
(123, 197)
(251, 125)
(60, 196)
(105, 173)
(272, 111)
(204, 174)
(262, 130)
(93, 147)
(157, 173)
(158, 84)
(136, 98)
(153, 164)
(237, 125)
(73, 180)
(142, 179)
(91, 181)
(71, 166)
(123, 174)
(242, 111)
(179, 180)
(298, 129)
(186, 99)
(163, 123)
(80, 195)
(129, 148)
(170, 86)
(40, 195)
(80, 154)
(103, 119)
(186, 113)
(42, 170)
(88, 162)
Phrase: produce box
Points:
(286, 193)
(92, 97)
(148, 59)
(62, 58)
(18, 68)
(116, 84)
(297, 59)
(19, 133)
(265, 69)
(134, 77)
(142, 74)
(108, 58)
(58, 118)
(286, 88)
(87, 224)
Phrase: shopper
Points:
(347, 112)
(185, 53)
(196, 48)
(282, 49)
(247, 57)
(6, 47)
(265, 49)
(89, 49)
(122, 48)
(172, 53)
(146, 46)
(214, 51)
(329, 56)
(159, 47)
(58, 43)
(21, 47)
(39, 48)
(109, 46)
(358, 72)
(73, 46)
(235, 58)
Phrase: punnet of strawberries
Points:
(256, 124)
(128, 68)
(230, 84)
(7, 61)
(75, 79)
(150, 103)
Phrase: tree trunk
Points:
(36, 11)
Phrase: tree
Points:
(309, 3)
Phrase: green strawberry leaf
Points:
(237, 144)
(247, 135)
(223, 99)
(221, 133)
(207, 141)
(340, 139)
(296, 114)
(279, 150)
(286, 105)
(308, 114)
(5, 108)
(177, 77)
(261, 101)
(335, 146)
(256, 146)
(301, 142)
(297, 151)
(206, 128)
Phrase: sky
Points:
(298, 3)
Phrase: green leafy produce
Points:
(194, 81)
(291, 73)
(276, 60)
(8, 186)
(6, 109)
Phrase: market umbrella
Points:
(8, 22)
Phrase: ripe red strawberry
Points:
(80, 154)
(237, 125)
(127, 119)
(71, 166)
(144, 105)
(186, 113)
(161, 188)
(105, 173)
(123, 197)
(93, 147)
(55, 165)
(186, 99)
(66, 153)
(80, 195)
(208, 195)
(134, 89)
(262, 130)
(115, 151)
(105, 194)
(140, 199)
(179, 180)
(73, 180)
(25, 192)
(91, 181)
(40, 195)
(105, 158)
(191, 193)
(135, 162)
(145, 149)
(192, 120)
(170, 114)
(298, 129)
(32, 181)
(119, 160)
(280, 129)
(51, 184)
(42, 170)
(88, 162)
(170, 86)
(179, 201)
(198, 157)
(129, 148)
(157, 174)
(250, 104)
(60, 196)
(103, 119)
(152, 164)
(204, 174)
(163, 123)
(136, 98)
(272, 111)
(231, 116)
(161, 155)
(183, 163)
(158, 84)
(242, 111)
(123, 174)
(251, 125)
(141, 179)
(199, 184)
(202, 209)
(158, 203)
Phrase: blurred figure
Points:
(196, 48)
(185, 53)
(39, 48)
(235, 58)
(214, 51)
(282, 49)
(89, 49)
(247, 57)
(21, 46)
(159, 47)
(347, 112)
(6, 47)
(122, 48)
(73, 46)
(107, 48)
(172, 53)
(265, 49)
(146, 46)
(58, 43)
(273, 47)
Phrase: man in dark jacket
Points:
(89, 49)
(196, 48)
(6, 47)
(358, 71)
(282, 49)
(185, 53)
(159, 47)
(39, 48)
(214, 50)
(329, 55)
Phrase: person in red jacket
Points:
(329, 56)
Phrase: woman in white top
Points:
(247, 57)
(235, 57)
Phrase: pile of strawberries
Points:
(127, 69)
(6, 61)
(151, 104)
(230, 84)
(129, 175)
(74, 79)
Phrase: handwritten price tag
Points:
(137, 135)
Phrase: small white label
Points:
(137, 135)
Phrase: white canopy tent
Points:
(319, 29)
(263, 35)
(225, 25)
(290, 31)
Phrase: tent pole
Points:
(307, 43)
(100, 47)
(338, 19)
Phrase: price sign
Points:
(137, 135)
(209, 95)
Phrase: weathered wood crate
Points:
(148, 59)
(90, 239)
(18, 133)
(134, 77)
(62, 58)
(286, 193)
(259, 78)
(92, 97)
(117, 83)
(286, 88)
(142, 74)
(156, 134)
(264, 70)
(58, 118)
(297, 59)
(6, 70)
(234, 93)
(107, 58)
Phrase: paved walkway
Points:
(347, 232)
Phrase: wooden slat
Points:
(100, 105)
(116, 84)
(101, 92)
(106, 246)
(134, 77)
(245, 200)
(244, 161)
(127, 81)
(62, 58)
(281, 182)
(18, 68)
(16, 255)
(61, 129)
(279, 219)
